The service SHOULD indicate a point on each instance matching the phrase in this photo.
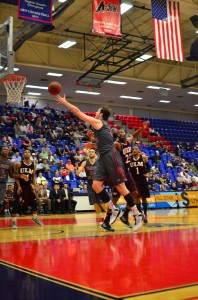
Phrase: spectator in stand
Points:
(156, 179)
(151, 180)
(41, 140)
(41, 179)
(47, 148)
(168, 179)
(17, 131)
(163, 180)
(193, 167)
(70, 168)
(194, 184)
(33, 145)
(53, 140)
(30, 129)
(185, 168)
(57, 179)
(61, 165)
(179, 149)
(59, 151)
(26, 143)
(66, 150)
(169, 164)
(8, 199)
(14, 148)
(173, 187)
(16, 158)
(196, 147)
(43, 154)
(42, 198)
(188, 147)
(81, 185)
(56, 159)
(57, 199)
(152, 132)
(46, 168)
(45, 187)
(70, 203)
(8, 139)
(23, 128)
(39, 166)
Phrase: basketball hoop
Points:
(14, 85)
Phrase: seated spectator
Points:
(55, 159)
(8, 199)
(17, 131)
(41, 140)
(45, 187)
(26, 143)
(193, 167)
(59, 151)
(39, 166)
(194, 184)
(23, 128)
(14, 148)
(42, 198)
(70, 168)
(66, 150)
(43, 154)
(61, 165)
(47, 148)
(169, 164)
(16, 158)
(41, 179)
(46, 168)
(70, 203)
(188, 147)
(81, 184)
(57, 199)
(173, 187)
(30, 129)
(65, 174)
(179, 149)
(57, 179)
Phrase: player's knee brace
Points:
(104, 196)
(129, 200)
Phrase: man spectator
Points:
(42, 198)
(16, 158)
(41, 179)
(57, 199)
(70, 204)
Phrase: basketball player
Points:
(5, 170)
(89, 165)
(139, 168)
(23, 188)
(110, 164)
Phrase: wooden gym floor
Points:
(72, 258)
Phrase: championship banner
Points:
(35, 11)
(107, 18)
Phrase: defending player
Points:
(89, 165)
(23, 188)
(139, 168)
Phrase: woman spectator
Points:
(41, 179)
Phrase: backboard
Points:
(6, 48)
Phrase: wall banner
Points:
(107, 18)
(35, 11)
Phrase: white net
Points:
(14, 86)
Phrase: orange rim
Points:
(12, 77)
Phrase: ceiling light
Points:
(196, 105)
(35, 94)
(86, 92)
(165, 101)
(54, 74)
(125, 7)
(115, 82)
(67, 44)
(36, 87)
(196, 31)
(130, 97)
(62, 1)
(157, 87)
(144, 57)
(193, 93)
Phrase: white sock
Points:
(111, 205)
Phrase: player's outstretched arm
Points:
(96, 123)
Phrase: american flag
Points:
(167, 30)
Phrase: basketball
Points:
(54, 88)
